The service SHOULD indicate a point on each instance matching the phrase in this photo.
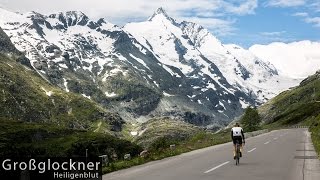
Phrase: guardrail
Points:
(294, 127)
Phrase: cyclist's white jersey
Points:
(236, 131)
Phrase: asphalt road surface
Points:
(283, 154)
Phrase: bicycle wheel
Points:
(237, 154)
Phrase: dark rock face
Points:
(197, 119)
(51, 48)
(116, 123)
(181, 50)
(6, 47)
(5, 44)
(245, 74)
(93, 25)
(40, 65)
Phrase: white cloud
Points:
(275, 33)
(286, 3)
(246, 7)
(313, 20)
(308, 18)
(301, 14)
(315, 6)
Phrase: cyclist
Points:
(237, 135)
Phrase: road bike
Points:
(237, 152)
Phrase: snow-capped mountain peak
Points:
(201, 38)
(159, 15)
(159, 67)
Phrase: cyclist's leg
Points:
(234, 147)
(241, 147)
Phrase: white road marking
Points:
(267, 142)
(275, 138)
(212, 169)
(252, 150)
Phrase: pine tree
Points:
(250, 120)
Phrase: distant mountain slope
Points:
(187, 46)
(264, 78)
(150, 69)
(28, 97)
(296, 59)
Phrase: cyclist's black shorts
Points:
(237, 138)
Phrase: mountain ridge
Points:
(137, 76)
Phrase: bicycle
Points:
(237, 152)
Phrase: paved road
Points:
(271, 156)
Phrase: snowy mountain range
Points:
(160, 67)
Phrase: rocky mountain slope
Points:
(37, 119)
(150, 69)
(26, 96)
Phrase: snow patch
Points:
(122, 58)
(110, 94)
(65, 83)
(166, 94)
(211, 86)
(221, 104)
(170, 71)
(156, 83)
(244, 104)
(134, 133)
(63, 66)
(191, 96)
(88, 97)
(48, 93)
(140, 61)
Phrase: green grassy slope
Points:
(298, 106)
(25, 96)
(38, 119)
(21, 139)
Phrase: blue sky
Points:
(243, 22)
(277, 23)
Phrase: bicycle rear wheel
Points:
(237, 161)
(237, 154)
